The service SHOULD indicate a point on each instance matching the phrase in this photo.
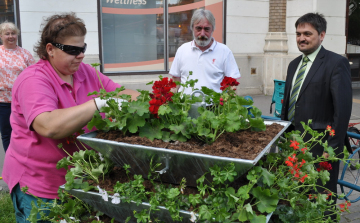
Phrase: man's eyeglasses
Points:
(72, 50)
(199, 28)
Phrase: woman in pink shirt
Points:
(13, 60)
(50, 103)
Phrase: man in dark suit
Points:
(318, 87)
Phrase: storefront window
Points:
(143, 35)
(7, 11)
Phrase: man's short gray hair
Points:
(200, 14)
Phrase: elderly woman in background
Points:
(50, 103)
(13, 60)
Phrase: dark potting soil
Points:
(245, 144)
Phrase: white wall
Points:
(247, 23)
(33, 12)
(335, 15)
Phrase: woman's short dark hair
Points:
(56, 29)
(315, 19)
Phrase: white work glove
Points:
(102, 102)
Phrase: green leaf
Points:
(205, 213)
(324, 176)
(258, 219)
(194, 199)
(138, 107)
(173, 192)
(98, 171)
(244, 214)
(267, 201)
(164, 109)
(96, 121)
(63, 163)
(257, 124)
(33, 213)
(135, 122)
(232, 122)
(151, 131)
(267, 177)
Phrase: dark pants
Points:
(5, 127)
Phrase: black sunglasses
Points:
(72, 50)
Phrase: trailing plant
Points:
(85, 164)
(164, 115)
(283, 183)
(66, 209)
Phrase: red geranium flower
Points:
(303, 150)
(332, 132)
(303, 178)
(294, 144)
(161, 94)
(324, 166)
(227, 82)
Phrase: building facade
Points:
(136, 40)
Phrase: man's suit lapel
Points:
(314, 68)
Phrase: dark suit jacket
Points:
(325, 96)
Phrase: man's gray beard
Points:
(202, 43)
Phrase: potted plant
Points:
(283, 183)
(175, 118)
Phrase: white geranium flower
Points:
(193, 217)
(63, 221)
(104, 194)
(72, 218)
(101, 158)
(116, 199)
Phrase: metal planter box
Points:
(176, 164)
(121, 211)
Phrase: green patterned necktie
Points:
(296, 89)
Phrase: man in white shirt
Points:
(209, 61)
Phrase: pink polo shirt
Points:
(31, 159)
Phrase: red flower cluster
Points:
(295, 167)
(303, 150)
(227, 82)
(221, 101)
(312, 196)
(345, 206)
(332, 131)
(294, 145)
(324, 166)
(161, 94)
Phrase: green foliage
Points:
(6, 208)
(85, 164)
(171, 122)
(281, 184)
(67, 208)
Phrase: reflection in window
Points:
(135, 35)
(179, 26)
(7, 11)
(354, 19)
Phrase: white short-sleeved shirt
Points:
(209, 67)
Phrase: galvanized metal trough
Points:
(121, 211)
(176, 164)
